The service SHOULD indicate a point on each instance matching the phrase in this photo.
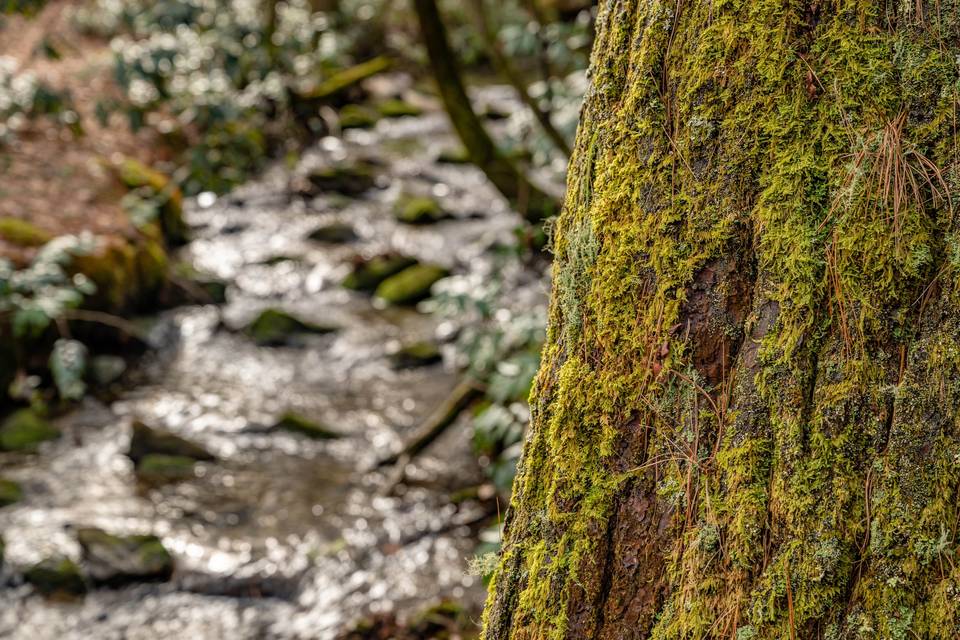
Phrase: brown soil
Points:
(59, 181)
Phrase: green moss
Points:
(134, 175)
(410, 285)
(25, 430)
(368, 274)
(814, 466)
(456, 155)
(115, 560)
(296, 423)
(338, 83)
(419, 210)
(344, 178)
(22, 233)
(274, 327)
(416, 354)
(334, 233)
(158, 467)
(395, 108)
(56, 577)
(358, 116)
(10, 492)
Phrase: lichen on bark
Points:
(747, 419)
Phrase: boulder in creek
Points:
(296, 423)
(10, 492)
(162, 456)
(24, 430)
(116, 560)
(419, 210)
(397, 108)
(350, 179)
(416, 354)
(57, 578)
(368, 274)
(358, 116)
(274, 327)
(411, 285)
(333, 233)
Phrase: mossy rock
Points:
(358, 116)
(106, 369)
(395, 108)
(417, 354)
(333, 233)
(10, 492)
(147, 441)
(419, 210)
(198, 287)
(135, 175)
(367, 275)
(24, 430)
(350, 179)
(116, 560)
(296, 423)
(22, 233)
(275, 328)
(126, 274)
(157, 468)
(410, 285)
(455, 155)
(340, 82)
(56, 577)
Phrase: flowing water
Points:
(282, 536)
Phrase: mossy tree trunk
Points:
(530, 200)
(747, 420)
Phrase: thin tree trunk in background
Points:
(534, 204)
(747, 419)
(511, 75)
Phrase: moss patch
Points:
(296, 423)
(22, 233)
(24, 430)
(56, 577)
(411, 285)
(416, 354)
(368, 274)
(10, 492)
(334, 233)
(395, 108)
(275, 328)
(358, 116)
(419, 210)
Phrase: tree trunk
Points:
(534, 204)
(747, 418)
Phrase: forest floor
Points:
(55, 178)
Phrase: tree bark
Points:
(747, 419)
(533, 203)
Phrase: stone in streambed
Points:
(104, 370)
(417, 354)
(116, 560)
(24, 430)
(344, 178)
(368, 274)
(158, 468)
(161, 455)
(419, 210)
(56, 577)
(358, 116)
(10, 492)
(333, 233)
(410, 285)
(296, 423)
(396, 108)
(454, 155)
(275, 328)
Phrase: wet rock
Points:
(444, 620)
(358, 116)
(146, 441)
(24, 430)
(419, 210)
(411, 285)
(396, 108)
(272, 261)
(135, 175)
(275, 328)
(115, 560)
(343, 178)
(334, 233)
(456, 155)
(104, 370)
(157, 468)
(22, 233)
(417, 354)
(341, 82)
(10, 492)
(368, 274)
(296, 423)
(57, 577)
